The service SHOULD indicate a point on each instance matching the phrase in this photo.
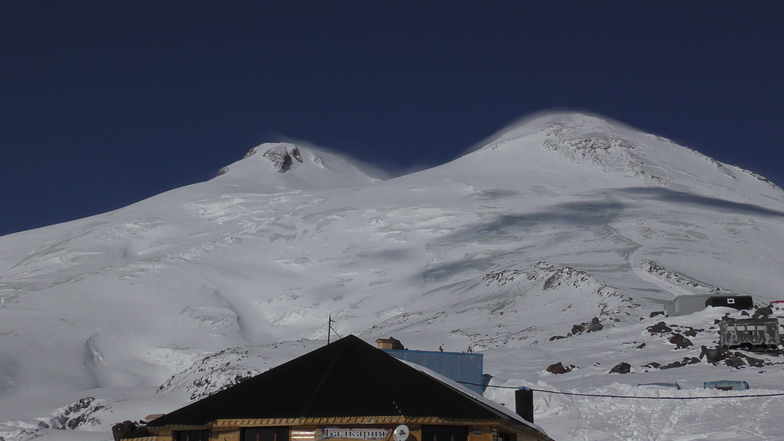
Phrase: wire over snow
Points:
(781, 394)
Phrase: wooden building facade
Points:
(345, 391)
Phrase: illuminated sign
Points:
(346, 433)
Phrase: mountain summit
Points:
(616, 149)
(273, 167)
(560, 225)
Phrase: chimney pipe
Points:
(524, 403)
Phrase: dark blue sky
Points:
(104, 103)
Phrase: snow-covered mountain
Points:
(558, 223)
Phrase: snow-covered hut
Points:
(687, 304)
(345, 391)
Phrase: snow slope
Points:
(555, 221)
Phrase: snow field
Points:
(553, 223)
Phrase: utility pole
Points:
(329, 328)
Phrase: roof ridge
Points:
(384, 385)
(327, 373)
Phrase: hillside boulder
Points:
(621, 368)
(558, 368)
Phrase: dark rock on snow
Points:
(659, 328)
(558, 368)
(735, 361)
(621, 368)
(712, 355)
(680, 341)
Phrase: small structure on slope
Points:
(464, 368)
(345, 391)
(737, 302)
(688, 304)
(660, 386)
(726, 385)
(750, 334)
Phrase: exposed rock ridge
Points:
(211, 373)
(654, 268)
(282, 157)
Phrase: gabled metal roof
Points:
(348, 378)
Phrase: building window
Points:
(194, 435)
(444, 433)
(265, 434)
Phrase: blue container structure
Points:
(464, 368)
(726, 385)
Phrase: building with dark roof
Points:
(344, 391)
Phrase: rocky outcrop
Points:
(559, 368)
(621, 368)
(680, 341)
(282, 157)
(211, 373)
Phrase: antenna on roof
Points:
(330, 330)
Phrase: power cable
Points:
(336, 332)
(629, 396)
